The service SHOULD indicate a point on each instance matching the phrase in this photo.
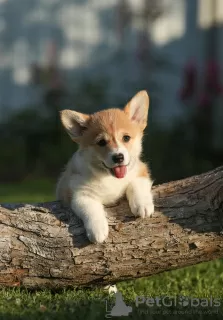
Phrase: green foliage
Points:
(45, 152)
(33, 141)
(172, 153)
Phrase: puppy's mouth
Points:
(118, 171)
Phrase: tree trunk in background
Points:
(44, 245)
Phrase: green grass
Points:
(201, 281)
(28, 191)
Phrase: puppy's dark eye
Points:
(102, 143)
(126, 138)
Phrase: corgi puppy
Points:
(107, 164)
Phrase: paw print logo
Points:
(183, 301)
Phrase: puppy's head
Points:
(113, 136)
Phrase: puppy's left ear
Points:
(137, 108)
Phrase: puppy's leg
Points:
(92, 213)
(140, 197)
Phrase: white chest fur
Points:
(104, 187)
(109, 189)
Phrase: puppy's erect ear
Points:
(74, 122)
(137, 108)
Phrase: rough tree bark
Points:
(44, 245)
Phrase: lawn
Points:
(199, 282)
(28, 191)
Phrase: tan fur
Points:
(143, 170)
(143, 99)
(88, 182)
(112, 123)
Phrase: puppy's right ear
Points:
(74, 122)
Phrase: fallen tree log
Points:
(44, 245)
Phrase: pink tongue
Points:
(119, 172)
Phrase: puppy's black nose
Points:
(118, 158)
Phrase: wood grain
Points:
(44, 245)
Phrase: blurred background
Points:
(92, 54)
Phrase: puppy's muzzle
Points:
(118, 158)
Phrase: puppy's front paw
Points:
(141, 207)
(143, 210)
(97, 229)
